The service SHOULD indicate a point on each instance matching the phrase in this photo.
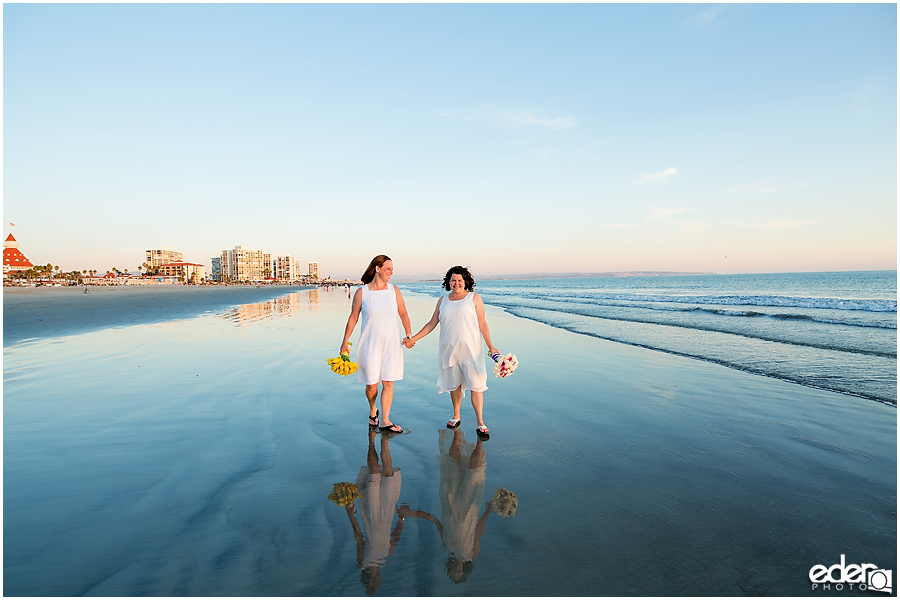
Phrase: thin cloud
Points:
(662, 213)
(530, 118)
(650, 177)
(777, 225)
(619, 225)
(513, 119)
(707, 19)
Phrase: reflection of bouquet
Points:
(503, 503)
(342, 365)
(505, 364)
(344, 494)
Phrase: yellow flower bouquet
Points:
(342, 365)
(344, 494)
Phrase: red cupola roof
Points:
(13, 259)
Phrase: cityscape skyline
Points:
(512, 139)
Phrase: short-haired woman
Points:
(378, 351)
(460, 354)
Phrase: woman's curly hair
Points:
(458, 270)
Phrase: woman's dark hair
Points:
(378, 261)
(458, 270)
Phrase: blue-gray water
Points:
(833, 331)
(195, 456)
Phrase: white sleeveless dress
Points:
(378, 351)
(460, 349)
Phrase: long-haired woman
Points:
(378, 351)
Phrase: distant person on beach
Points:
(460, 356)
(378, 352)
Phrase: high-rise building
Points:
(244, 264)
(315, 270)
(287, 268)
(161, 256)
(216, 272)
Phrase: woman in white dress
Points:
(462, 493)
(378, 351)
(460, 353)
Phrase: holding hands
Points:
(408, 342)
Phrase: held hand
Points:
(408, 342)
(345, 348)
(493, 350)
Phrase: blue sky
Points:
(511, 138)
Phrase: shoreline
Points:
(721, 363)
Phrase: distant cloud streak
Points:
(662, 213)
(514, 119)
(777, 225)
(619, 225)
(709, 18)
(650, 177)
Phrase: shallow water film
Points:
(219, 456)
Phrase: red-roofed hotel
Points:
(13, 259)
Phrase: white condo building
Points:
(287, 268)
(244, 264)
(315, 270)
(162, 256)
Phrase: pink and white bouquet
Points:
(505, 365)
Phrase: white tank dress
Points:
(460, 349)
(378, 351)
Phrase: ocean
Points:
(832, 331)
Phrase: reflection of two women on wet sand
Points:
(462, 485)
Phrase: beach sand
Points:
(54, 311)
(195, 457)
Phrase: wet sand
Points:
(54, 311)
(195, 457)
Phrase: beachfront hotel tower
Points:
(162, 256)
(315, 270)
(244, 264)
(13, 259)
(287, 268)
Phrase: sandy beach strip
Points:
(205, 469)
(30, 313)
